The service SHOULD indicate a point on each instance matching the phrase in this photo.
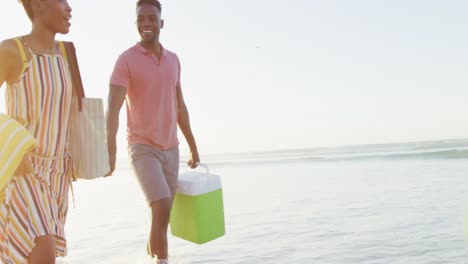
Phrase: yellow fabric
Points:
(23, 54)
(63, 50)
(15, 143)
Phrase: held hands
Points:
(194, 159)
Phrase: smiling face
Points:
(149, 23)
(53, 14)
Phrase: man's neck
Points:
(153, 46)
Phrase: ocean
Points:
(389, 203)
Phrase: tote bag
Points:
(87, 142)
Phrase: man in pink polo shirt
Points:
(147, 78)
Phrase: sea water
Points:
(395, 203)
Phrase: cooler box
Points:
(197, 213)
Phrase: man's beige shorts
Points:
(157, 170)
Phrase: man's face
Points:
(149, 22)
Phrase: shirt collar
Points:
(142, 49)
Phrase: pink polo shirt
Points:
(151, 95)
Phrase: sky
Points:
(263, 75)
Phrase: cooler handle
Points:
(205, 166)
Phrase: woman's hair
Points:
(27, 6)
(149, 2)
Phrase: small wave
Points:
(435, 154)
(316, 157)
(443, 149)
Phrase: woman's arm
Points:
(10, 62)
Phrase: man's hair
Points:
(149, 2)
(27, 7)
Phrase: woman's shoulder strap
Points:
(63, 50)
(22, 53)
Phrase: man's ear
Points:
(162, 23)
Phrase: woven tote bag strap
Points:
(69, 53)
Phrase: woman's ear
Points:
(35, 6)
(38, 6)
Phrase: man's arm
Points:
(183, 121)
(114, 104)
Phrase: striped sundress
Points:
(36, 204)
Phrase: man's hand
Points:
(111, 166)
(194, 159)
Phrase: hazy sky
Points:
(263, 75)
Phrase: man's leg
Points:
(160, 213)
(148, 164)
(161, 210)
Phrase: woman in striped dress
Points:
(39, 94)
